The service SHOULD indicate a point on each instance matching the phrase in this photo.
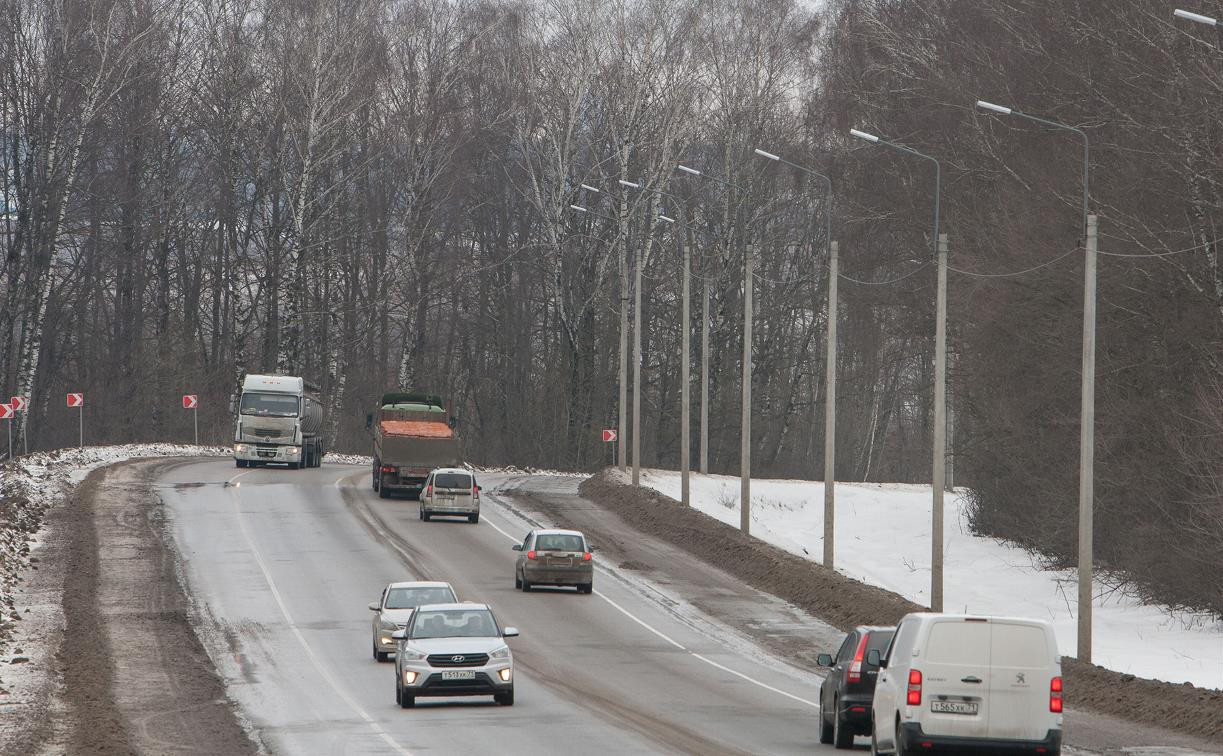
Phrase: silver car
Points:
(554, 557)
(450, 491)
(393, 610)
(454, 650)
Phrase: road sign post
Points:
(78, 400)
(192, 402)
(21, 404)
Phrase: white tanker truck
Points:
(278, 419)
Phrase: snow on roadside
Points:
(883, 538)
(30, 485)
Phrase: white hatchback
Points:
(972, 684)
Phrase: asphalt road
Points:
(280, 565)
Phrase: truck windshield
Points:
(269, 405)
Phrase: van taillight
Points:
(914, 697)
(1055, 695)
(388, 469)
(430, 491)
(855, 667)
(475, 492)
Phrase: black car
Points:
(847, 691)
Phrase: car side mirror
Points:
(875, 659)
(373, 606)
(399, 635)
(369, 421)
(824, 660)
(516, 547)
(510, 632)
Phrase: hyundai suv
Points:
(453, 650)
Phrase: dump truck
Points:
(278, 419)
(413, 435)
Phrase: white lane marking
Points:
(671, 640)
(318, 665)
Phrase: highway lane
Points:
(280, 565)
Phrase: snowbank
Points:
(883, 538)
(30, 485)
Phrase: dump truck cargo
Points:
(413, 434)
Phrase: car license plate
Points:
(560, 562)
(459, 674)
(954, 707)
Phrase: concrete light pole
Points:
(939, 442)
(685, 420)
(830, 382)
(745, 430)
(622, 422)
(1087, 390)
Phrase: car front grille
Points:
(458, 660)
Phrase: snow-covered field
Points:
(883, 538)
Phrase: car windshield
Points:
(269, 405)
(410, 598)
(555, 542)
(452, 480)
(455, 623)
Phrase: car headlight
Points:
(501, 653)
(409, 654)
(387, 625)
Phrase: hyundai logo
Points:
(458, 659)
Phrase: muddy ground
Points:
(129, 674)
(844, 603)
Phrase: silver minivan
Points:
(450, 491)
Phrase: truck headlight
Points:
(241, 448)
(292, 449)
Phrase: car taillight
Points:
(855, 668)
(475, 493)
(531, 554)
(914, 697)
(388, 469)
(586, 557)
(1055, 695)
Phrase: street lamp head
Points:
(590, 188)
(579, 208)
(991, 106)
(1195, 17)
(686, 169)
(864, 135)
(768, 155)
(665, 218)
(630, 184)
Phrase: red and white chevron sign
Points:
(190, 401)
(19, 403)
(76, 400)
(6, 412)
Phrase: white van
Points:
(970, 684)
(450, 491)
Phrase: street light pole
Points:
(1087, 389)
(622, 422)
(830, 381)
(939, 442)
(745, 429)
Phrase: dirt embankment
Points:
(132, 676)
(845, 603)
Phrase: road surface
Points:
(280, 565)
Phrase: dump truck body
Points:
(413, 435)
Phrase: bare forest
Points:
(377, 194)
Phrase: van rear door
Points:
(1023, 665)
(955, 680)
